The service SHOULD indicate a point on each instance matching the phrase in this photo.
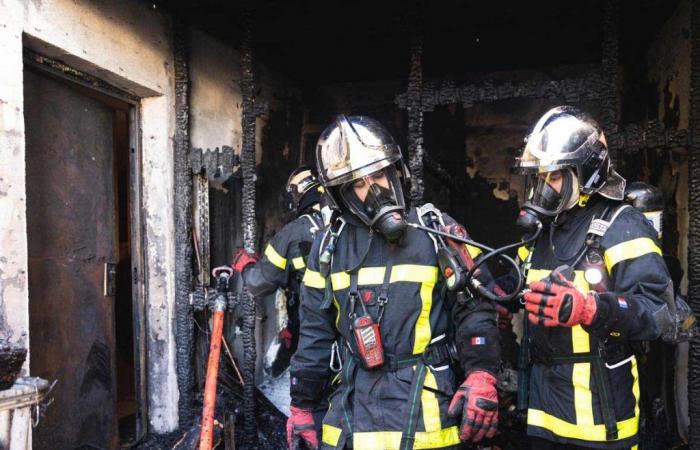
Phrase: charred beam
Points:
(694, 226)
(248, 226)
(446, 92)
(609, 77)
(184, 325)
(415, 111)
(650, 135)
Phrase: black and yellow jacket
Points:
(584, 384)
(371, 409)
(285, 256)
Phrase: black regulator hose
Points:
(491, 252)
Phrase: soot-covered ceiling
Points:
(325, 41)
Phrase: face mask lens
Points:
(544, 199)
(382, 207)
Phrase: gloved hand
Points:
(555, 301)
(300, 427)
(243, 259)
(285, 336)
(505, 316)
(477, 402)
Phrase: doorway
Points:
(84, 328)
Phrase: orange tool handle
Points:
(207, 434)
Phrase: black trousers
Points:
(543, 444)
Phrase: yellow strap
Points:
(313, 279)
(337, 309)
(275, 257)
(298, 263)
(523, 253)
(473, 251)
(330, 434)
(629, 250)
(429, 402)
(583, 200)
(390, 440)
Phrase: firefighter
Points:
(598, 286)
(284, 261)
(373, 311)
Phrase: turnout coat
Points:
(284, 260)
(402, 404)
(584, 384)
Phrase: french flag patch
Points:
(622, 302)
(478, 340)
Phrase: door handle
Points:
(110, 280)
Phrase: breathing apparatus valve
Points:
(528, 221)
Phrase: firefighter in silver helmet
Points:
(373, 311)
(597, 284)
(284, 260)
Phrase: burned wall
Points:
(216, 121)
(668, 101)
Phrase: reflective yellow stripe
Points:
(625, 428)
(523, 253)
(275, 257)
(298, 263)
(422, 329)
(629, 250)
(411, 273)
(390, 440)
(313, 279)
(588, 431)
(473, 251)
(429, 402)
(330, 434)
(368, 276)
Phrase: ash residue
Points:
(270, 425)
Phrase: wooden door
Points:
(71, 225)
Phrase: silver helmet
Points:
(567, 139)
(352, 148)
(303, 188)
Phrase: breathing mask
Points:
(543, 201)
(383, 208)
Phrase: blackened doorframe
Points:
(60, 70)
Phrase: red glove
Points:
(300, 427)
(477, 401)
(285, 337)
(555, 301)
(505, 316)
(243, 259)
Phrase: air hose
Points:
(472, 282)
